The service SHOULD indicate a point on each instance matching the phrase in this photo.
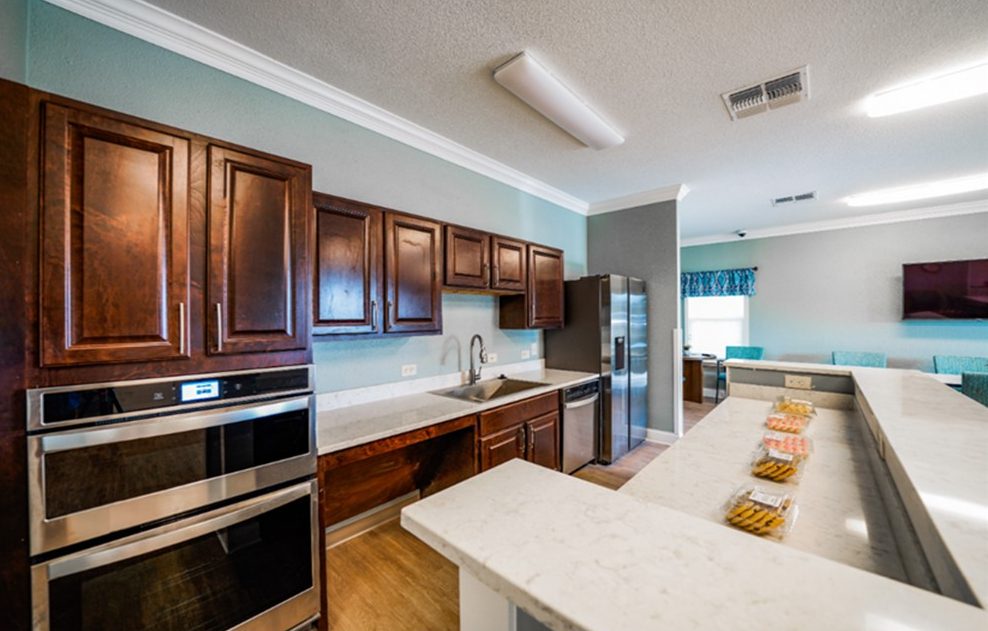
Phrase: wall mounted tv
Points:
(949, 290)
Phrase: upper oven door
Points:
(251, 566)
(91, 482)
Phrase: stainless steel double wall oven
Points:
(185, 503)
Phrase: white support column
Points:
(483, 609)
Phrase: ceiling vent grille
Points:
(791, 87)
(792, 199)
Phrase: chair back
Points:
(975, 385)
(956, 364)
(743, 352)
(852, 358)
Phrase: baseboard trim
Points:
(368, 520)
(660, 436)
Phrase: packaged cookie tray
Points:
(788, 443)
(761, 512)
(776, 465)
(788, 405)
(789, 423)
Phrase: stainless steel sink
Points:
(483, 391)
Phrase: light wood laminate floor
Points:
(387, 580)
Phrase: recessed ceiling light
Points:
(933, 91)
(531, 82)
(941, 188)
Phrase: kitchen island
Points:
(880, 515)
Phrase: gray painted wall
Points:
(842, 289)
(644, 242)
(76, 57)
(13, 39)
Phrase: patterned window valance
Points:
(724, 282)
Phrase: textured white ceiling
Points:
(656, 70)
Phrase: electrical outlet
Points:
(491, 358)
(800, 382)
(535, 348)
(525, 354)
(409, 370)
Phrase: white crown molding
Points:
(666, 193)
(913, 214)
(167, 30)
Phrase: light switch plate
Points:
(491, 358)
(525, 354)
(409, 370)
(799, 382)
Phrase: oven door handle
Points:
(177, 532)
(162, 426)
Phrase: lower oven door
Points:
(250, 566)
(85, 483)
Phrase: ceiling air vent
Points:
(789, 88)
(792, 199)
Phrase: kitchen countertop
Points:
(840, 516)
(359, 424)
(578, 556)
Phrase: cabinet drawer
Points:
(508, 415)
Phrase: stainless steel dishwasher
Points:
(580, 426)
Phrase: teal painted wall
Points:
(842, 289)
(13, 39)
(75, 57)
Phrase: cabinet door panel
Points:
(545, 287)
(348, 266)
(114, 252)
(502, 446)
(413, 254)
(509, 264)
(543, 440)
(258, 227)
(467, 258)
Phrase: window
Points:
(714, 322)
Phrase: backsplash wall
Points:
(345, 364)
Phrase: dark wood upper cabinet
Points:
(412, 260)
(348, 266)
(468, 257)
(545, 284)
(541, 307)
(509, 265)
(258, 214)
(114, 240)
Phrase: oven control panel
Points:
(51, 406)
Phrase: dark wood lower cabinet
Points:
(527, 429)
(502, 446)
(543, 440)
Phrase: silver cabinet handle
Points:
(219, 327)
(181, 328)
(373, 315)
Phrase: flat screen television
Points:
(949, 290)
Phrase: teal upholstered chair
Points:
(957, 364)
(851, 358)
(975, 385)
(735, 352)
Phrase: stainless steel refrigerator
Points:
(606, 332)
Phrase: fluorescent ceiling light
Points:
(933, 91)
(926, 190)
(531, 82)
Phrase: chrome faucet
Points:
(475, 372)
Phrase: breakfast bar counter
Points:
(539, 549)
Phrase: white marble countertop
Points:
(345, 427)
(936, 445)
(840, 509)
(577, 556)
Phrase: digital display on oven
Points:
(199, 390)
